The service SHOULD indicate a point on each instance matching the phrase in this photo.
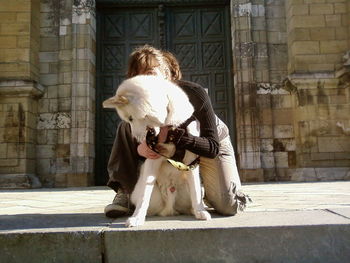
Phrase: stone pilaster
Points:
(18, 109)
(248, 144)
(318, 35)
(19, 92)
(82, 145)
(66, 120)
(318, 39)
(19, 39)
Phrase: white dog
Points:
(152, 102)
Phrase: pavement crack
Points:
(333, 212)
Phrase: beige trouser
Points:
(220, 175)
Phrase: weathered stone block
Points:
(320, 67)
(8, 17)
(14, 181)
(48, 56)
(333, 144)
(332, 173)
(64, 104)
(341, 33)
(281, 159)
(54, 121)
(15, 29)
(340, 8)
(333, 46)
(265, 131)
(277, 37)
(63, 150)
(283, 131)
(305, 47)
(8, 42)
(265, 117)
(251, 175)
(266, 145)
(282, 101)
(250, 160)
(52, 92)
(321, 9)
(333, 20)
(283, 116)
(79, 180)
(44, 166)
(45, 151)
(299, 34)
(322, 33)
(49, 79)
(12, 55)
(53, 105)
(338, 99)
(298, 9)
(64, 91)
(23, 17)
(282, 145)
(302, 174)
(267, 160)
(276, 24)
(307, 21)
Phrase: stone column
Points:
(19, 92)
(82, 145)
(245, 77)
(318, 38)
(65, 150)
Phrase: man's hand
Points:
(163, 134)
(145, 151)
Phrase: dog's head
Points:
(150, 102)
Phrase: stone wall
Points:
(47, 94)
(65, 129)
(19, 91)
(292, 89)
(318, 35)
(19, 39)
(291, 81)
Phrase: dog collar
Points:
(183, 167)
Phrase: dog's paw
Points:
(202, 215)
(134, 221)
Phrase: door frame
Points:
(106, 4)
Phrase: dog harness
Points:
(176, 160)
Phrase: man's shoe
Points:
(120, 206)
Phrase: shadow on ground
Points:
(47, 221)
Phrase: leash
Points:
(152, 140)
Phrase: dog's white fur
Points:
(151, 101)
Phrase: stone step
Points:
(293, 236)
(313, 226)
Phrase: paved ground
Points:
(287, 222)
(266, 197)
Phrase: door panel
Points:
(200, 39)
(119, 31)
(198, 36)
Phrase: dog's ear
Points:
(115, 101)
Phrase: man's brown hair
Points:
(173, 65)
(146, 58)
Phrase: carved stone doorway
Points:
(197, 32)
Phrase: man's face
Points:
(156, 71)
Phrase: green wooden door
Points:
(197, 35)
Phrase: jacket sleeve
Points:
(207, 143)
